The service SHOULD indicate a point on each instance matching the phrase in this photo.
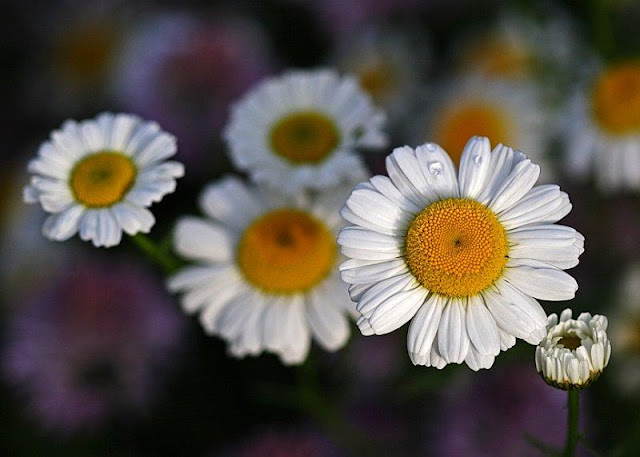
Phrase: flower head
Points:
(575, 351)
(98, 177)
(267, 276)
(301, 129)
(603, 134)
(464, 257)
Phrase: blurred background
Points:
(96, 358)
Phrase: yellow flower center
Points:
(616, 99)
(304, 137)
(377, 79)
(497, 57)
(570, 342)
(102, 179)
(456, 247)
(286, 251)
(459, 122)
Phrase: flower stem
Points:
(572, 423)
(159, 255)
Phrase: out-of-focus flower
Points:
(462, 256)
(98, 177)
(79, 46)
(301, 130)
(518, 47)
(390, 65)
(625, 332)
(506, 112)
(497, 414)
(285, 443)
(184, 71)
(574, 352)
(603, 131)
(91, 345)
(267, 276)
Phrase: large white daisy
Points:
(603, 132)
(98, 177)
(266, 277)
(464, 257)
(301, 130)
(507, 112)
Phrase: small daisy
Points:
(267, 276)
(301, 130)
(463, 257)
(574, 352)
(98, 177)
(506, 112)
(603, 135)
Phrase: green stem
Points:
(572, 423)
(601, 27)
(157, 254)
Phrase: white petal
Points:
(357, 271)
(482, 328)
(63, 225)
(476, 361)
(108, 232)
(231, 202)
(198, 239)
(423, 329)
(543, 283)
(161, 147)
(328, 324)
(397, 310)
(438, 170)
(542, 204)
(132, 218)
(385, 186)
(474, 167)
(513, 314)
(453, 339)
(517, 184)
(374, 207)
(381, 291)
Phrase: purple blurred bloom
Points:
(184, 71)
(94, 344)
(499, 412)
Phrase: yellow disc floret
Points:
(616, 99)
(461, 121)
(286, 251)
(456, 247)
(102, 179)
(304, 137)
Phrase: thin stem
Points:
(572, 423)
(156, 253)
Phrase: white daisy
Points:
(574, 352)
(507, 112)
(98, 177)
(464, 257)
(603, 132)
(266, 277)
(301, 129)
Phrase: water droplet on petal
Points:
(477, 159)
(435, 168)
(431, 147)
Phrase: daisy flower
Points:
(301, 129)
(506, 112)
(574, 352)
(266, 276)
(98, 177)
(603, 134)
(463, 257)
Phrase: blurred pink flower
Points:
(92, 344)
(184, 71)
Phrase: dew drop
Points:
(431, 147)
(435, 168)
(477, 159)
